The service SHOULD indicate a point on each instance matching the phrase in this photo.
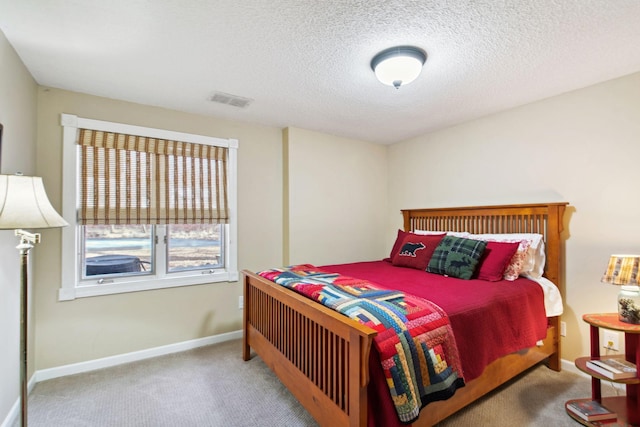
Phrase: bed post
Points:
(246, 350)
(555, 256)
(406, 214)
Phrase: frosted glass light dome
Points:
(398, 66)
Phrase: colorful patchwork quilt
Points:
(416, 344)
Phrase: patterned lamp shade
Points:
(623, 270)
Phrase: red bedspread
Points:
(489, 319)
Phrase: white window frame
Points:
(72, 284)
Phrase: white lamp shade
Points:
(24, 204)
(398, 66)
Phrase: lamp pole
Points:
(27, 240)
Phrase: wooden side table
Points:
(626, 407)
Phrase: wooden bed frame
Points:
(322, 356)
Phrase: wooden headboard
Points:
(543, 218)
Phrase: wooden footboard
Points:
(322, 356)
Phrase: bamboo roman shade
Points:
(128, 179)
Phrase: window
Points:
(148, 208)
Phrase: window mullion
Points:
(161, 250)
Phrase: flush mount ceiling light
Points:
(399, 65)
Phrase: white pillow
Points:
(539, 259)
(448, 233)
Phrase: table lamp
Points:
(24, 204)
(623, 270)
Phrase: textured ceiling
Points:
(305, 63)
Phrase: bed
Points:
(323, 357)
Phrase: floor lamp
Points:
(24, 204)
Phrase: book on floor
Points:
(613, 368)
(609, 423)
(590, 410)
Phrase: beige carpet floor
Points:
(212, 386)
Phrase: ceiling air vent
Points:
(228, 99)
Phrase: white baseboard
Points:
(92, 365)
(569, 366)
(12, 416)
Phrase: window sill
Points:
(92, 290)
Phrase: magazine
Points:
(613, 368)
(590, 410)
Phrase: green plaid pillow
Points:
(456, 257)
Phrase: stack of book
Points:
(614, 369)
(590, 410)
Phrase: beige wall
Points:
(581, 147)
(18, 95)
(336, 189)
(91, 328)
